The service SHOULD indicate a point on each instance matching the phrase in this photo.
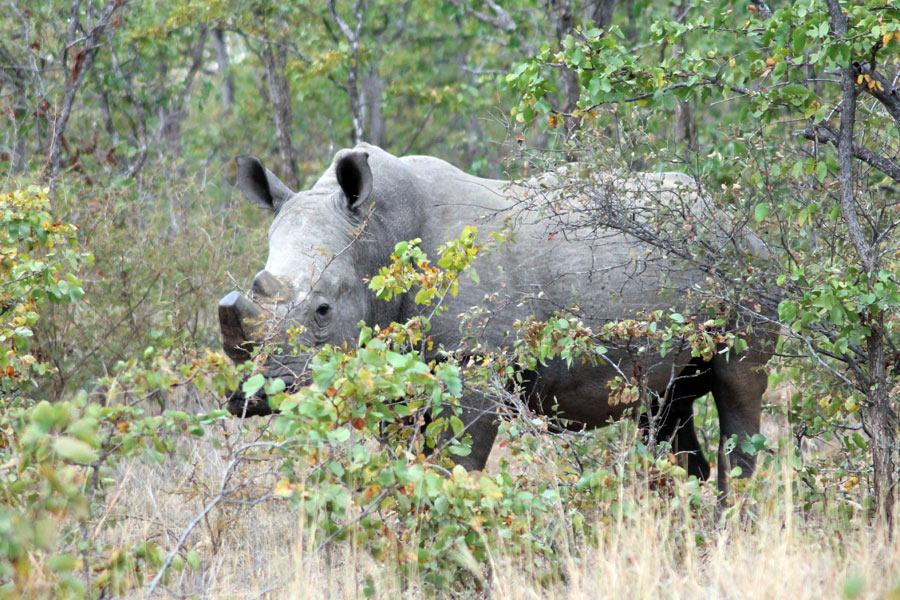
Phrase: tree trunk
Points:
(172, 116)
(881, 420)
(882, 424)
(373, 88)
(686, 125)
(357, 107)
(275, 58)
(565, 21)
(685, 121)
(600, 12)
(224, 68)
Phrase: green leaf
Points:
(75, 450)
(762, 209)
(274, 386)
(253, 384)
(460, 450)
(795, 89)
(821, 171)
(449, 374)
(62, 562)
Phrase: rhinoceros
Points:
(327, 242)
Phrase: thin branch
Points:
(419, 129)
(882, 89)
(823, 132)
(501, 19)
(83, 62)
(762, 8)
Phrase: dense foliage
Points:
(128, 115)
(801, 137)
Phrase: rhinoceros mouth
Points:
(292, 370)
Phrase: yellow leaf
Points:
(460, 475)
(365, 381)
(284, 489)
(489, 489)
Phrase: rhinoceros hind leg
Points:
(686, 442)
(737, 387)
(676, 418)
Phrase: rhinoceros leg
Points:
(676, 418)
(737, 386)
(257, 405)
(481, 420)
(678, 427)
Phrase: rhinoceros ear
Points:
(355, 177)
(260, 185)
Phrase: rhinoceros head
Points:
(324, 244)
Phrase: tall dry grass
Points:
(253, 546)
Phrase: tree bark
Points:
(373, 88)
(600, 12)
(275, 59)
(881, 420)
(224, 65)
(357, 107)
(685, 121)
(881, 426)
(565, 21)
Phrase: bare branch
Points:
(501, 19)
(882, 89)
(82, 63)
(823, 132)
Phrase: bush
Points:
(38, 257)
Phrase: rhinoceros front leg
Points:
(737, 387)
(481, 420)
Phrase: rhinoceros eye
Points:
(322, 313)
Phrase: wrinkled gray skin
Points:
(325, 243)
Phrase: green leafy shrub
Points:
(39, 257)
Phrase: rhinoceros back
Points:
(601, 275)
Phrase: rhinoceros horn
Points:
(239, 317)
(267, 286)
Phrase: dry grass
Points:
(660, 549)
